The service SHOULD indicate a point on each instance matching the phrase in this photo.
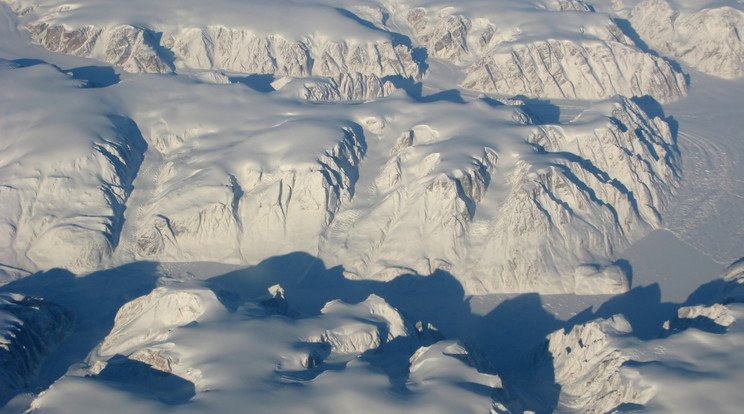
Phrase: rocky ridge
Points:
(707, 39)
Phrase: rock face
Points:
(498, 59)
(573, 5)
(139, 348)
(236, 175)
(29, 330)
(565, 69)
(375, 323)
(219, 47)
(598, 180)
(589, 368)
(347, 69)
(707, 39)
(592, 63)
(98, 156)
(346, 87)
(715, 318)
(592, 191)
(132, 48)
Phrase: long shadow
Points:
(128, 170)
(646, 313)
(92, 76)
(95, 76)
(257, 82)
(93, 301)
(641, 306)
(419, 54)
(505, 341)
(142, 379)
(508, 337)
(415, 91)
(629, 31)
(541, 111)
(652, 108)
(502, 342)
(154, 40)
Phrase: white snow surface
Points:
(705, 36)
(234, 175)
(371, 205)
(230, 359)
(520, 48)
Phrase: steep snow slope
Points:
(707, 38)
(29, 329)
(520, 48)
(515, 191)
(692, 363)
(382, 188)
(249, 178)
(589, 368)
(345, 52)
(564, 69)
(409, 173)
(161, 352)
(67, 166)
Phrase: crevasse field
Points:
(365, 206)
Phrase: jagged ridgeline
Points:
(198, 167)
(504, 202)
(365, 49)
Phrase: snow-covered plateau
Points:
(358, 206)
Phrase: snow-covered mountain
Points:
(706, 37)
(217, 187)
(367, 205)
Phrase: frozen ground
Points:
(208, 213)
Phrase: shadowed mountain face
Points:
(173, 343)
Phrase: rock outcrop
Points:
(566, 69)
(589, 368)
(30, 328)
(707, 39)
